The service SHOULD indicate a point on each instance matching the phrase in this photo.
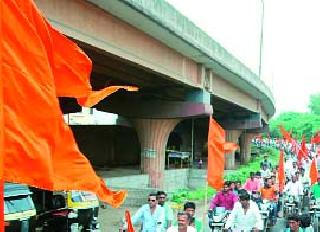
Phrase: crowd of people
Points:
(243, 201)
(157, 216)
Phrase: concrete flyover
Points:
(182, 73)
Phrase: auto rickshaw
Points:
(66, 211)
(84, 209)
(18, 207)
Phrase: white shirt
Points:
(238, 220)
(306, 167)
(175, 229)
(294, 189)
(150, 222)
(265, 173)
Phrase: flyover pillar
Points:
(245, 147)
(231, 136)
(153, 135)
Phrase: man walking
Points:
(168, 213)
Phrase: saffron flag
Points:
(286, 135)
(303, 151)
(313, 171)
(128, 220)
(316, 138)
(216, 152)
(39, 65)
(281, 174)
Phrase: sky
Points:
(291, 41)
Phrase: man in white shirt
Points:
(151, 215)
(265, 171)
(293, 170)
(183, 224)
(306, 165)
(245, 215)
(294, 188)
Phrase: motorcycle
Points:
(217, 218)
(266, 214)
(315, 213)
(291, 205)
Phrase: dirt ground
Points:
(110, 218)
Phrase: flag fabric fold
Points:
(313, 171)
(39, 65)
(217, 147)
(281, 174)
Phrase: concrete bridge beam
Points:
(153, 135)
(231, 136)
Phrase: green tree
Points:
(314, 104)
(298, 123)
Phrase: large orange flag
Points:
(39, 65)
(217, 146)
(281, 174)
(313, 171)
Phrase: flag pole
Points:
(206, 206)
(261, 37)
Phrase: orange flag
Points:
(1, 135)
(281, 175)
(216, 152)
(39, 65)
(313, 171)
(128, 219)
(286, 135)
(316, 138)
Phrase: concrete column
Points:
(153, 135)
(231, 136)
(245, 147)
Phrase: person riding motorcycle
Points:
(294, 189)
(225, 198)
(269, 193)
(245, 215)
(252, 184)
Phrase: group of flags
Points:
(217, 147)
(302, 151)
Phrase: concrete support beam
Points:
(231, 136)
(251, 122)
(153, 135)
(156, 108)
(245, 147)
